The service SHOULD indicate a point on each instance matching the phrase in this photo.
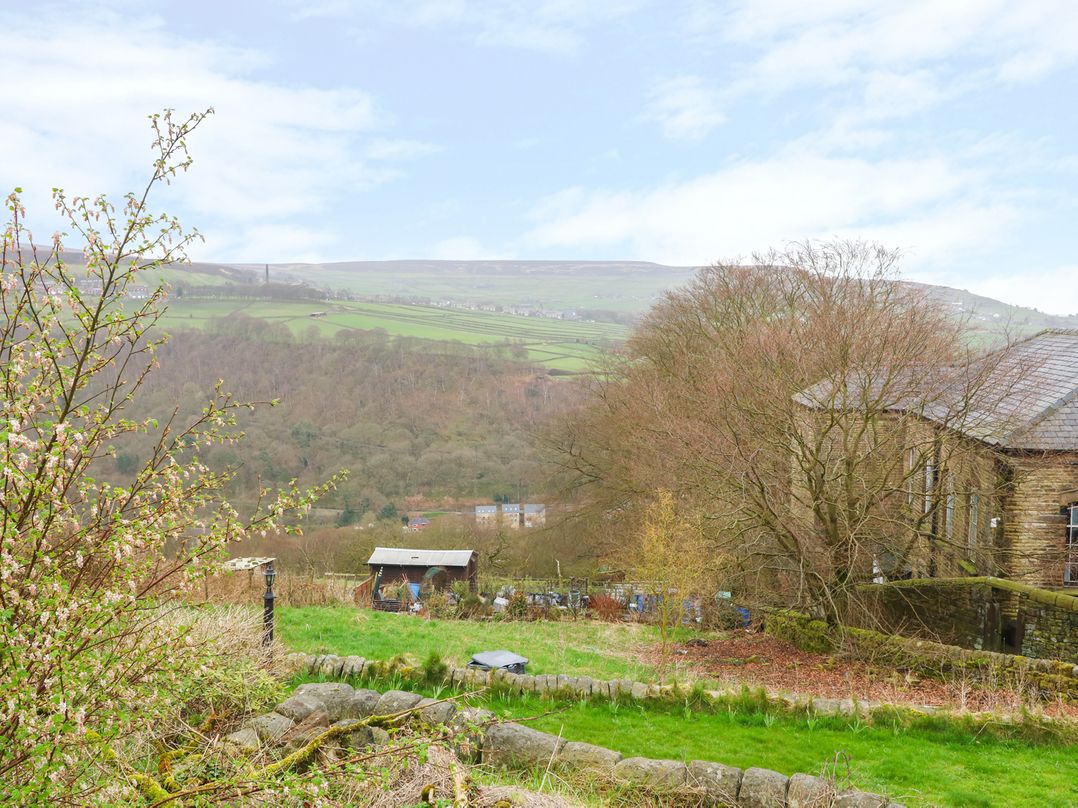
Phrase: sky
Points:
(676, 131)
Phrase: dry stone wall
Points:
(1051, 678)
(973, 612)
(479, 737)
(331, 666)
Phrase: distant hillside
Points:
(988, 314)
(623, 287)
(598, 290)
(618, 286)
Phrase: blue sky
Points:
(680, 132)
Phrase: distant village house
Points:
(511, 513)
(534, 515)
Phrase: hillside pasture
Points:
(565, 345)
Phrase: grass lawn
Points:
(942, 763)
(945, 766)
(582, 648)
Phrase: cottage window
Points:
(948, 516)
(911, 470)
(930, 484)
(1070, 567)
(974, 520)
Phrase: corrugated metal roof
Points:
(403, 557)
(247, 563)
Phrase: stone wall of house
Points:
(353, 718)
(1034, 531)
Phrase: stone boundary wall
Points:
(332, 666)
(479, 737)
(1052, 678)
(968, 612)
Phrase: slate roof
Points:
(1052, 387)
(534, 508)
(403, 557)
(1030, 401)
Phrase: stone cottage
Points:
(994, 492)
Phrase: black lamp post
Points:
(267, 604)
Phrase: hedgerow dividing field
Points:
(556, 344)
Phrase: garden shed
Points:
(438, 568)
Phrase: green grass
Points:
(557, 344)
(937, 761)
(573, 648)
(943, 766)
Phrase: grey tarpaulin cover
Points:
(489, 660)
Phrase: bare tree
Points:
(816, 413)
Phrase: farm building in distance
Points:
(486, 514)
(418, 523)
(437, 568)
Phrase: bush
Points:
(518, 606)
(473, 606)
(435, 671)
(721, 615)
(606, 607)
(441, 606)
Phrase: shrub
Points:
(441, 606)
(518, 606)
(435, 671)
(606, 607)
(472, 606)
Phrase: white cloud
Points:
(388, 149)
(926, 204)
(684, 107)
(540, 25)
(270, 161)
(1051, 289)
(831, 42)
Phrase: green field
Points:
(918, 767)
(556, 344)
(934, 761)
(571, 647)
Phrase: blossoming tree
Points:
(89, 572)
